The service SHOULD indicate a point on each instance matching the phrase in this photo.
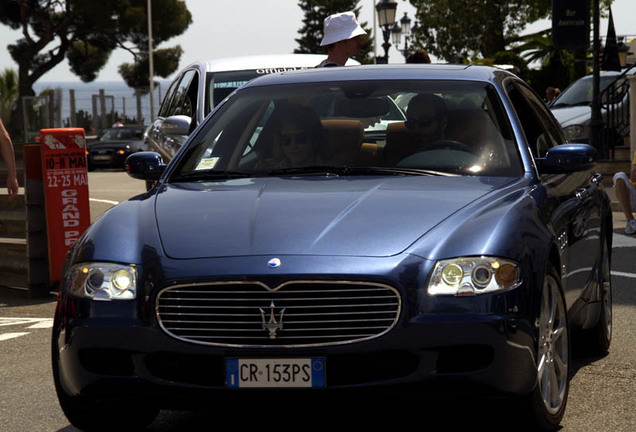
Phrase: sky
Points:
(249, 27)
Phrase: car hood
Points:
(568, 116)
(361, 216)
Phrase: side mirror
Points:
(567, 158)
(145, 166)
(176, 125)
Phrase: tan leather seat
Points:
(399, 143)
(342, 140)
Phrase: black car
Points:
(305, 243)
(114, 145)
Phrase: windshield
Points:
(121, 134)
(581, 91)
(355, 128)
(221, 84)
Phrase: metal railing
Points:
(615, 102)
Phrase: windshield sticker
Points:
(276, 70)
(207, 163)
(229, 84)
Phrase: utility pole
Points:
(596, 122)
(150, 64)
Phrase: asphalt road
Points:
(602, 394)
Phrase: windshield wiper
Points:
(211, 175)
(562, 104)
(309, 170)
(353, 171)
(373, 170)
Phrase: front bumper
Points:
(108, 356)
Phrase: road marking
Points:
(622, 240)
(30, 323)
(623, 274)
(104, 201)
(7, 336)
(35, 322)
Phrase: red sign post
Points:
(65, 181)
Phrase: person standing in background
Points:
(8, 156)
(418, 56)
(343, 37)
(625, 189)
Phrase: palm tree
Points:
(9, 94)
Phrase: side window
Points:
(164, 110)
(182, 102)
(540, 134)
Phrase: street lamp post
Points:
(396, 35)
(405, 22)
(386, 20)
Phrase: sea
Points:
(119, 99)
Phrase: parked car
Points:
(377, 264)
(114, 145)
(573, 107)
(201, 86)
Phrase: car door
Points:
(573, 201)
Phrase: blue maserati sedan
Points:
(311, 241)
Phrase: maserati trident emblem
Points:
(271, 324)
(273, 263)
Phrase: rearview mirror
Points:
(567, 158)
(145, 166)
(362, 108)
(176, 125)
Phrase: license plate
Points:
(269, 373)
(101, 158)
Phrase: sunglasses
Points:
(412, 123)
(302, 138)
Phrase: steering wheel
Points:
(452, 145)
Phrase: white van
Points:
(199, 87)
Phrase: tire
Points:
(597, 340)
(89, 414)
(546, 404)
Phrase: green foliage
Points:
(454, 30)
(8, 93)
(165, 61)
(86, 59)
(86, 32)
(312, 30)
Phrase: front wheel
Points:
(546, 404)
(597, 340)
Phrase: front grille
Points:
(294, 314)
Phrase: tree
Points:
(83, 31)
(170, 18)
(455, 30)
(312, 30)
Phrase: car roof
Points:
(264, 61)
(379, 72)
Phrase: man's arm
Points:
(8, 155)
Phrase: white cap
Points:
(341, 26)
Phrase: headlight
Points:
(576, 132)
(102, 281)
(472, 276)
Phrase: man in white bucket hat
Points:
(343, 37)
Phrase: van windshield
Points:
(221, 84)
(581, 92)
